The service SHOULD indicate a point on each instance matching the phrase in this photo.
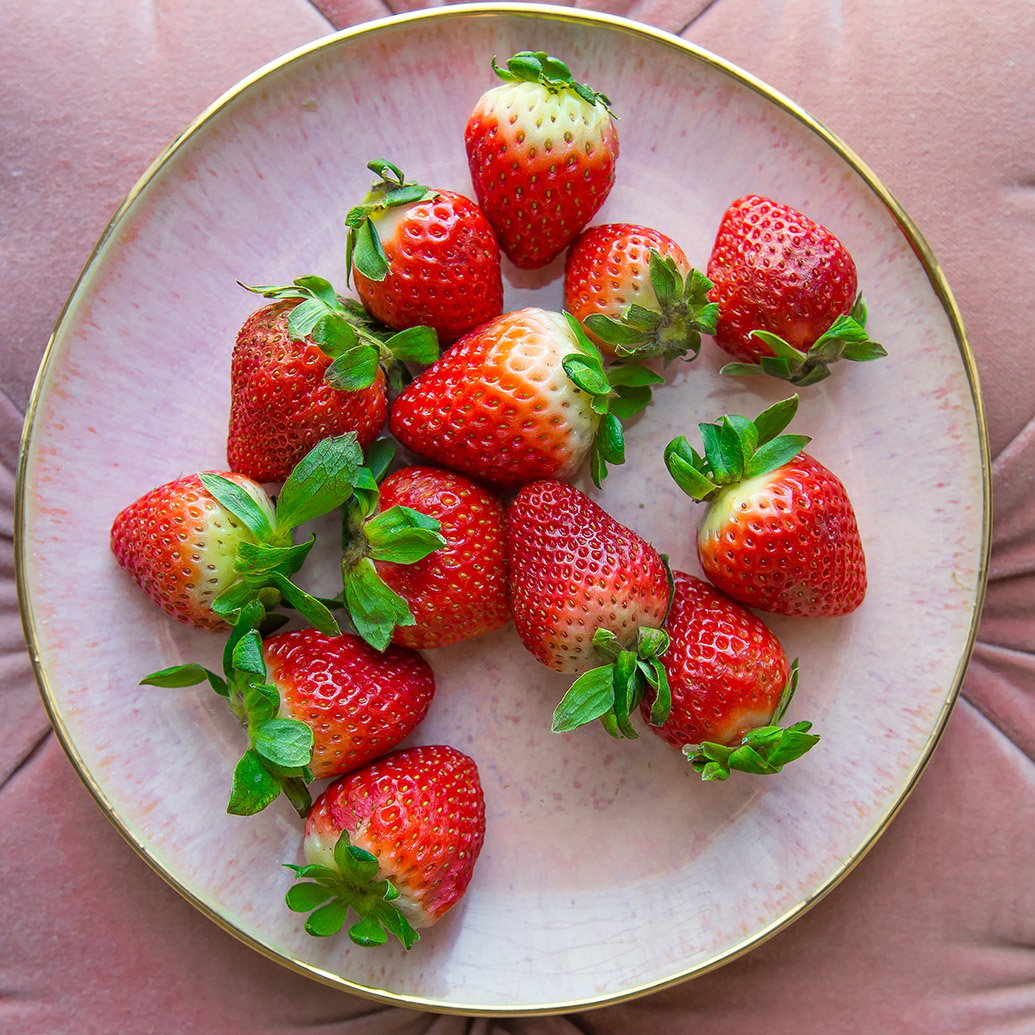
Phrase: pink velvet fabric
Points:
(934, 931)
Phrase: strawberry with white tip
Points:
(204, 545)
(420, 256)
(542, 149)
(636, 293)
(780, 532)
(395, 843)
(524, 396)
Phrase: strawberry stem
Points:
(539, 67)
(352, 885)
(846, 338)
(735, 448)
(673, 327)
(363, 249)
(343, 330)
(398, 535)
(612, 692)
(616, 395)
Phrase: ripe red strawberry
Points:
(636, 293)
(204, 545)
(780, 533)
(421, 256)
(359, 702)
(786, 290)
(425, 560)
(586, 589)
(542, 150)
(525, 396)
(304, 368)
(312, 705)
(730, 681)
(396, 842)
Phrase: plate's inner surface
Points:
(607, 866)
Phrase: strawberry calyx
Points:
(763, 751)
(618, 394)
(363, 248)
(846, 338)
(673, 328)
(398, 535)
(343, 330)
(735, 448)
(320, 482)
(279, 749)
(539, 67)
(611, 692)
(329, 895)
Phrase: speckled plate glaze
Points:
(609, 870)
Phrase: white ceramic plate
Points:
(608, 869)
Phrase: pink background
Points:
(933, 930)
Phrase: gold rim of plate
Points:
(938, 283)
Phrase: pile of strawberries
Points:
(487, 529)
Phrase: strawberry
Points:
(542, 150)
(308, 366)
(524, 396)
(359, 702)
(786, 291)
(421, 256)
(636, 294)
(780, 533)
(396, 842)
(313, 706)
(586, 589)
(280, 748)
(424, 560)
(729, 681)
(204, 545)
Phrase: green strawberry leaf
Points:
(314, 611)
(588, 698)
(253, 786)
(328, 919)
(320, 482)
(614, 332)
(378, 458)
(239, 502)
(368, 255)
(368, 932)
(258, 560)
(185, 675)
(630, 401)
(403, 535)
(305, 897)
(863, 352)
(587, 374)
(539, 67)
(686, 474)
(261, 701)
(375, 609)
(355, 369)
(775, 454)
(742, 369)
(772, 420)
(247, 654)
(284, 743)
(633, 376)
(414, 345)
(734, 448)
